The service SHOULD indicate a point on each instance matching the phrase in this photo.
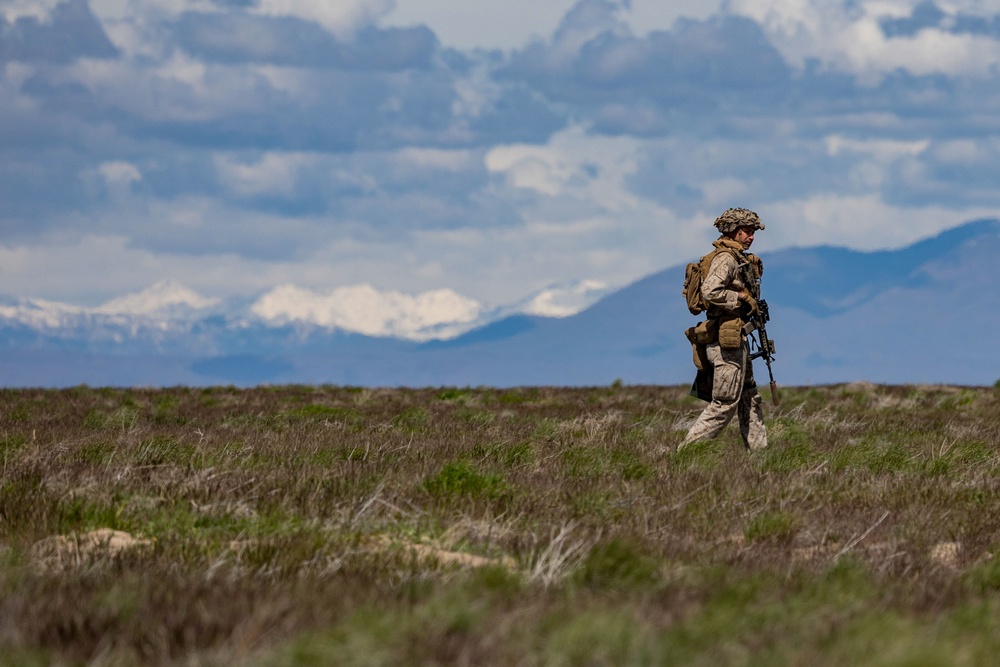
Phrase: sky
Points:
(385, 164)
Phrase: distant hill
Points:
(926, 313)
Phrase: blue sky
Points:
(342, 157)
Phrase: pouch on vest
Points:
(702, 334)
(705, 332)
(731, 333)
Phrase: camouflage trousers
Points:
(734, 392)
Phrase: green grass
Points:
(461, 478)
(303, 525)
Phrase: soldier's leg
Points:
(727, 383)
(751, 413)
(752, 428)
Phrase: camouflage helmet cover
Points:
(734, 218)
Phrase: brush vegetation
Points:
(313, 525)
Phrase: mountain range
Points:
(919, 314)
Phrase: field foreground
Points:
(301, 525)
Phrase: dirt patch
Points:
(947, 554)
(442, 557)
(64, 552)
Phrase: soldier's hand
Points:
(751, 303)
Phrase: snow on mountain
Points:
(169, 306)
(161, 305)
(838, 315)
(435, 315)
(564, 300)
(163, 300)
(43, 314)
(366, 310)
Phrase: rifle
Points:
(765, 346)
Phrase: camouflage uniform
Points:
(733, 390)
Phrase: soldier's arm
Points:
(715, 287)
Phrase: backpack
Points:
(693, 275)
(692, 288)
(695, 272)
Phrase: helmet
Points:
(734, 218)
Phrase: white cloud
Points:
(592, 168)
(847, 37)
(513, 23)
(859, 222)
(12, 10)
(966, 152)
(489, 25)
(645, 16)
(885, 149)
(272, 174)
(135, 26)
(404, 213)
(341, 17)
(532, 167)
(119, 172)
(176, 89)
(364, 309)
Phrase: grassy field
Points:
(301, 525)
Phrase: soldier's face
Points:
(744, 236)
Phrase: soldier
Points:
(730, 304)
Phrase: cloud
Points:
(886, 149)
(512, 24)
(39, 10)
(119, 173)
(33, 32)
(572, 164)
(292, 42)
(871, 39)
(595, 58)
(341, 18)
(269, 174)
(236, 146)
(861, 222)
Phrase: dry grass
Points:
(292, 525)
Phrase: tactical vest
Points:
(695, 272)
(727, 330)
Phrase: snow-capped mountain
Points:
(169, 306)
(164, 301)
(907, 315)
(365, 310)
(163, 305)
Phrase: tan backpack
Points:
(693, 275)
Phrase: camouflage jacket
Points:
(722, 284)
